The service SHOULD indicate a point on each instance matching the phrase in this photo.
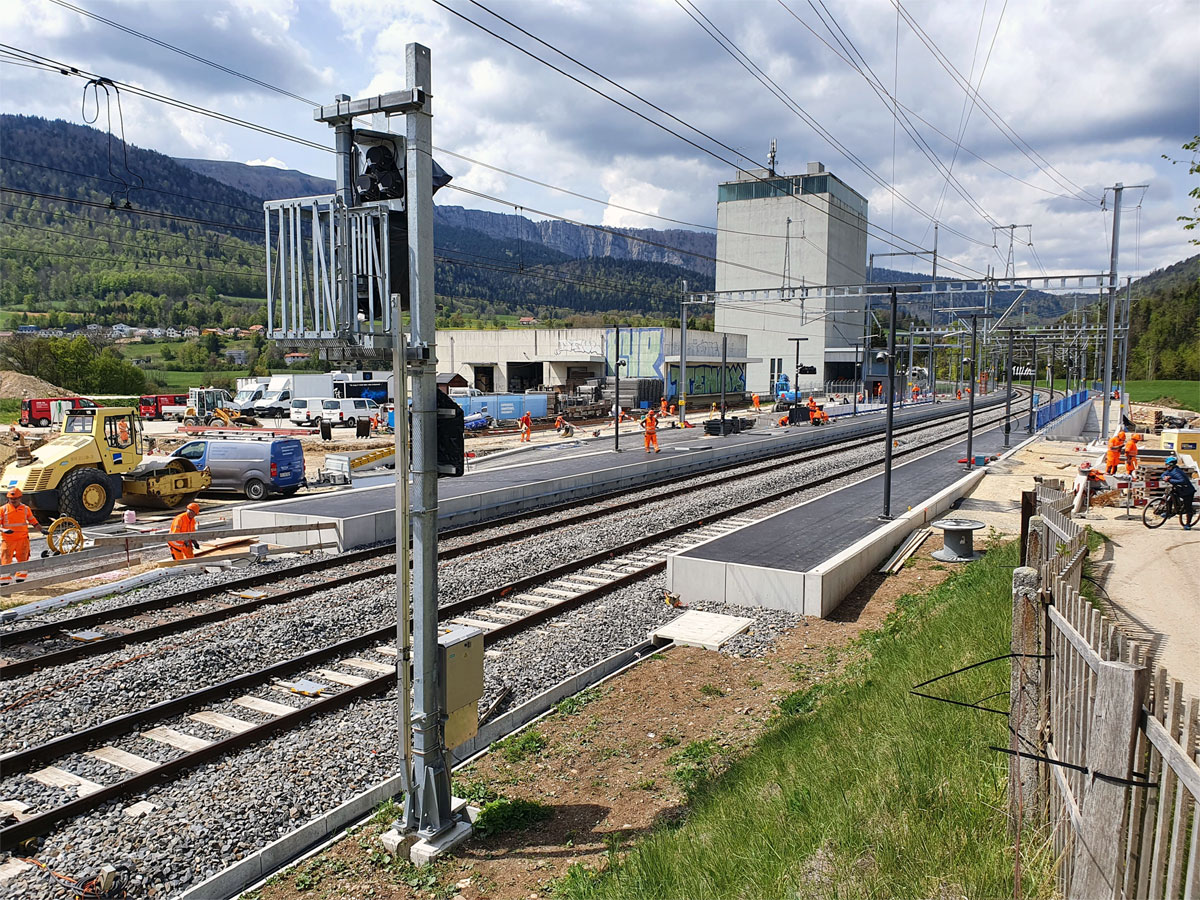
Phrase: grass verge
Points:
(862, 790)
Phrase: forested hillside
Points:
(99, 232)
(1165, 323)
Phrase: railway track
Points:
(43, 646)
(56, 643)
(250, 707)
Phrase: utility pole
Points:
(430, 798)
(1117, 190)
(887, 445)
(796, 383)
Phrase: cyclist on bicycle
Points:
(1184, 489)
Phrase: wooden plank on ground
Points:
(178, 739)
(342, 678)
(53, 776)
(115, 756)
(368, 665)
(222, 721)
(267, 707)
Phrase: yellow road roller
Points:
(96, 460)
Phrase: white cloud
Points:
(270, 161)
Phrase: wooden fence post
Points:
(1028, 511)
(1099, 859)
(1026, 778)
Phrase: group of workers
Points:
(1112, 456)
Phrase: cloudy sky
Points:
(1071, 97)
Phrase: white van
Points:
(348, 411)
(308, 411)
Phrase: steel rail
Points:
(18, 668)
(41, 823)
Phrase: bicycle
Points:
(1157, 511)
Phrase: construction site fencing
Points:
(1052, 411)
(1103, 742)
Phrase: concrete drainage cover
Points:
(86, 636)
(702, 629)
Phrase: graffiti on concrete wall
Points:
(578, 346)
(705, 378)
(641, 348)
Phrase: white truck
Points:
(249, 392)
(276, 402)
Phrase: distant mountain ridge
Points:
(693, 250)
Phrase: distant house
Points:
(445, 381)
(92, 326)
(27, 329)
(238, 357)
(122, 330)
(142, 362)
(157, 332)
(189, 332)
(173, 333)
(527, 320)
(292, 358)
(258, 328)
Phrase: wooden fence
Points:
(1107, 742)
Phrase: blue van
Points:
(251, 467)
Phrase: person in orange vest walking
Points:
(1112, 456)
(1131, 454)
(184, 523)
(754, 400)
(15, 521)
(650, 426)
(662, 405)
(526, 422)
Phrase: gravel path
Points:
(213, 816)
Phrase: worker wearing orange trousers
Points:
(650, 425)
(1131, 454)
(754, 400)
(184, 523)
(662, 405)
(526, 422)
(1112, 457)
(15, 521)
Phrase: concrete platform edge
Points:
(327, 829)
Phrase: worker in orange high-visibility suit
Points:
(754, 400)
(184, 523)
(662, 405)
(650, 426)
(15, 521)
(1131, 454)
(526, 422)
(1112, 456)
(916, 393)
(812, 403)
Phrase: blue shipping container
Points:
(504, 406)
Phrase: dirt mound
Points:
(14, 384)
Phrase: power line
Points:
(756, 71)
(139, 212)
(1015, 139)
(180, 50)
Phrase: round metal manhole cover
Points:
(957, 524)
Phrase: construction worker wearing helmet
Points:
(650, 425)
(1184, 489)
(1131, 454)
(15, 521)
(1112, 457)
(184, 523)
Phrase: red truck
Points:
(40, 411)
(151, 405)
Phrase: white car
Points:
(307, 411)
(348, 411)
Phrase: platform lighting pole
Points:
(857, 379)
(1009, 393)
(617, 363)
(887, 444)
(796, 383)
(971, 392)
(683, 355)
(1032, 384)
(724, 357)
(1117, 189)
